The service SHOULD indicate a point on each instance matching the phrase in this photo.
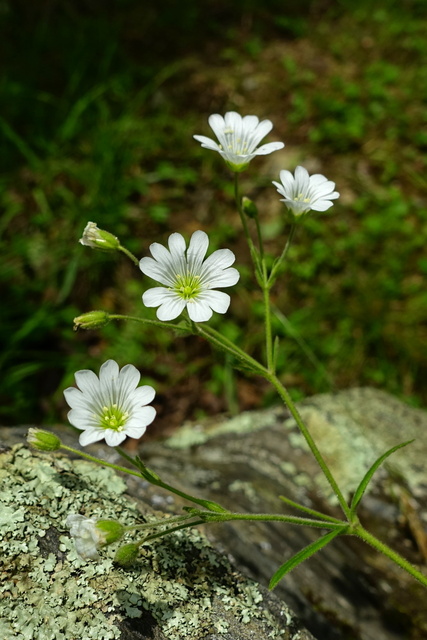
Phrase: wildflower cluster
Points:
(112, 406)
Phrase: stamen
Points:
(113, 418)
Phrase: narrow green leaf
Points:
(367, 477)
(312, 512)
(302, 555)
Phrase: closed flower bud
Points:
(111, 530)
(98, 238)
(43, 440)
(91, 320)
(249, 207)
(126, 555)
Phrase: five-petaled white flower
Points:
(87, 537)
(303, 193)
(111, 406)
(238, 138)
(189, 278)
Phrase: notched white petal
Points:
(238, 138)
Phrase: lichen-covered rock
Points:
(180, 588)
(347, 590)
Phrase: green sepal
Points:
(91, 320)
(127, 554)
(368, 475)
(249, 207)
(43, 440)
(304, 554)
(111, 530)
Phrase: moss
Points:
(49, 593)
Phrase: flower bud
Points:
(98, 238)
(91, 320)
(126, 555)
(111, 530)
(249, 207)
(43, 440)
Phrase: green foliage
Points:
(304, 554)
(358, 494)
(99, 108)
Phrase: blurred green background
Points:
(99, 104)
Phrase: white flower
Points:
(238, 138)
(304, 192)
(87, 537)
(111, 406)
(190, 280)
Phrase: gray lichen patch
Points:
(191, 434)
(48, 592)
(355, 427)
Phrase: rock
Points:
(347, 590)
(180, 588)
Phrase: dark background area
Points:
(99, 105)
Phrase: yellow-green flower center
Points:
(300, 198)
(236, 145)
(113, 417)
(188, 286)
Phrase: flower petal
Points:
(141, 417)
(162, 272)
(217, 300)
(89, 436)
(87, 381)
(217, 262)
(136, 432)
(197, 248)
(199, 310)
(207, 143)
(268, 148)
(155, 297)
(322, 205)
(75, 398)
(114, 438)
(171, 305)
(108, 371)
(171, 308)
(143, 395)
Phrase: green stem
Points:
(159, 482)
(267, 323)
(215, 338)
(129, 255)
(87, 456)
(158, 523)
(186, 496)
(252, 250)
(224, 343)
(267, 517)
(283, 255)
(195, 523)
(156, 323)
(284, 394)
(239, 209)
(260, 240)
(393, 555)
